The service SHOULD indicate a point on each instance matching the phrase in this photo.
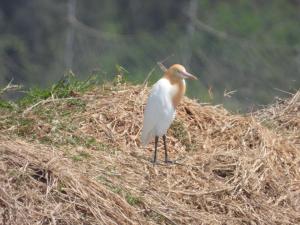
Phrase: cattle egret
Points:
(165, 95)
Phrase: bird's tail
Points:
(146, 136)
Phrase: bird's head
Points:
(178, 71)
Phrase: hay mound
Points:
(39, 186)
(231, 169)
(283, 117)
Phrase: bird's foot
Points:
(154, 162)
(167, 161)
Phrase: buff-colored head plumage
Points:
(178, 71)
(176, 75)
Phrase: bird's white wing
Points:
(155, 112)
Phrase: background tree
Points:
(252, 47)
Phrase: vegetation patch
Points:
(68, 86)
(84, 152)
(81, 156)
(180, 133)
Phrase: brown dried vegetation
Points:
(79, 161)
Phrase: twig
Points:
(209, 29)
(161, 66)
(10, 87)
(229, 94)
(42, 102)
(286, 92)
(200, 193)
(148, 76)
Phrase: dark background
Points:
(251, 47)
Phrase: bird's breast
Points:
(173, 90)
(178, 91)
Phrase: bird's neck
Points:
(179, 84)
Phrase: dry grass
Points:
(86, 166)
(39, 185)
(283, 117)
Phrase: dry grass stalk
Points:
(9, 87)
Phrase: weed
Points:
(90, 142)
(61, 187)
(25, 126)
(13, 173)
(69, 85)
(80, 156)
(158, 218)
(76, 103)
(45, 140)
(117, 190)
(179, 131)
(119, 77)
(76, 158)
(102, 179)
(268, 124)
(84, 155)
(6, 104)
(34, 95)
(105, 147)
(132, 200)
(66, 87)
(74, 140)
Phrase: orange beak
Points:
(187, 75)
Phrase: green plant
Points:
(80, 156)
(132, 200)
(181, 133)
(6, 104)
(68, 86)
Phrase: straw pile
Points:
(231, 169)
(39, 186)
(283, 117)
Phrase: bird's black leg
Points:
(166, 152)
(155, 149)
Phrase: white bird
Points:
(165, 95)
